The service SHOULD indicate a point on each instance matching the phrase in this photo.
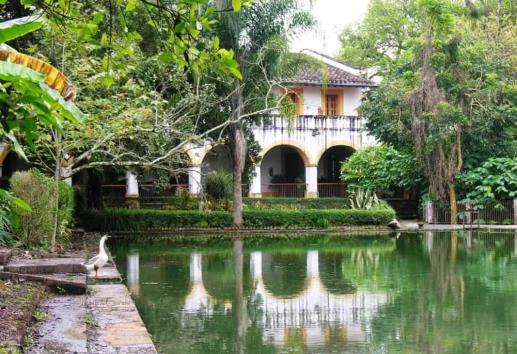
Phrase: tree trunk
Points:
(57, 175)
(239, 153)
(453, 203)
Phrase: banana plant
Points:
(32, 91)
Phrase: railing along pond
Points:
(490, 213)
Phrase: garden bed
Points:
(18, 300)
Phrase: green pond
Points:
(432, 292)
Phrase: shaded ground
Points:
(18, 301)
(64, 328)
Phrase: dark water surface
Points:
(415, 293)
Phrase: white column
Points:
(429, 213)
(194, 180)
(311, 178)
(131, 185)
(256, 184)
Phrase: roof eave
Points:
(330, 84)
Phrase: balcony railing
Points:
(285, 190)
(331, 190)
(312, 122)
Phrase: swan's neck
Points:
(101, 246)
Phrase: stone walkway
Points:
(104, 320)
(118, 326)
(64, 329)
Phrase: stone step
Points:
(46, 266)
(119, 328)
(58, 283)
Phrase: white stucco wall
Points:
(352, 100)
(312, 99)
(313, 136)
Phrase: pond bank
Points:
(101, 318)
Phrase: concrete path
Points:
(119, 328)
(108, 273)
(64, 329)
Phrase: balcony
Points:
(314, 123)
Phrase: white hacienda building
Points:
(299, 157)
(302, 157)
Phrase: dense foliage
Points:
(149, 219)
(381, 168)
(218, 186)
(494, 181)
(51, 210)
(36, 226)
(448, 89)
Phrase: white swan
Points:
(99, 260)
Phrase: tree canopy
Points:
(448, 82)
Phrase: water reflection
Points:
(428, 292)
(133, 273)
(314, 310)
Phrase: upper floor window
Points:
(332, 102)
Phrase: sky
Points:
(331, 17)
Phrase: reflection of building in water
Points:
(314, 316)
(198, 299)
(315, 310)
(133, 274)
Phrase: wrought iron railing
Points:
(285, 190)
(490, 213)
(332, 190)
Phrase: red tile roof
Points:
(325, 74)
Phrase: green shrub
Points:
(147, 219)
(183, 200)
(35, 227)
(218, 186)
(295, 203)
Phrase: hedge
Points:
(295, 203)
(149, 219)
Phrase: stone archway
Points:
(329, 170)
(283, 171)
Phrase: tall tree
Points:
(258, 36)
(448, 82)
